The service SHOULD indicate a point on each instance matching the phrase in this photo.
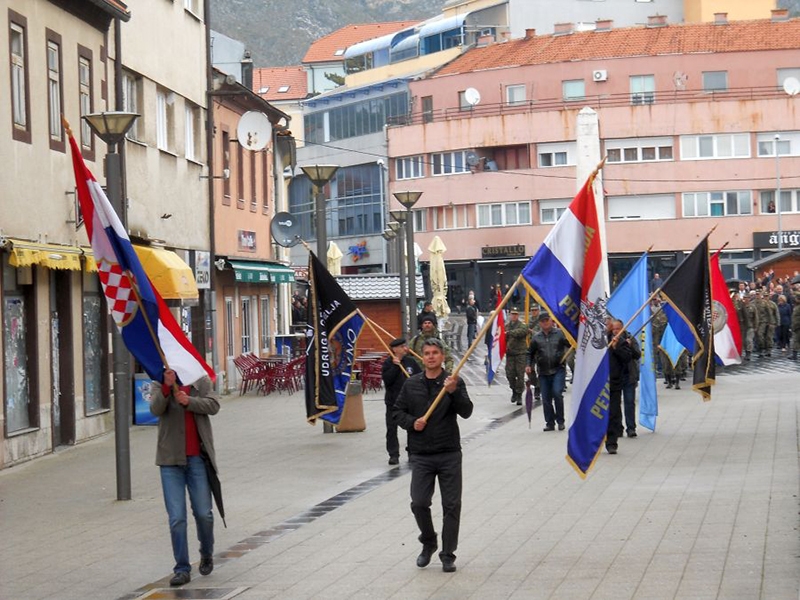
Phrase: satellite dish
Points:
(791, 86)
(472, 96)
(473, 160)
(679, 79)
(254, 131)
(285, 229)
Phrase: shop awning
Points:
(52, 256)
(261, 272)
(170, 275)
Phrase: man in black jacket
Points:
(622, 349)
(396, 369)
(547, 353)
(434, 449)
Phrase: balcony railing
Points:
(648, 100)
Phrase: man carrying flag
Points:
(334, 325)
(687, 292)
(565, 275)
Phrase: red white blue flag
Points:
(497, 343)
(148, 328)
(566, 276)
(727, 334)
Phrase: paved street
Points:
(707, 507)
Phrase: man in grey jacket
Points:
(184, 435)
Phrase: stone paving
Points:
(706, 507)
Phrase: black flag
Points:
(688, 294)
(333, 328)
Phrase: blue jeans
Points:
(552, 389)
(175, 480)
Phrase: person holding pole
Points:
(434, 447)
(395, 370)
(184, 435)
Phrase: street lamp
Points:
(408, 200)
(111, 127)
(396, 227)
(320, 175)
(778, 190)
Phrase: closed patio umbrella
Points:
(438, 277)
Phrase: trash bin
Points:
(352, 418)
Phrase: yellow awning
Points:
(170, 275)
(91, 263)
(52, 256)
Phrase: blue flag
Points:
(629, 296)
(670, 344)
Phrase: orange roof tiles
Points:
(735, 36)
(324, 49)
(293, 80)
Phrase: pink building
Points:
(690, 117)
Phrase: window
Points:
(450, 217)
(788, 143)
(784, 74)
(721, 145)
(246, 324)
(715, 81)
(790, 201)
(449, 163)
(639, 150)
(20, 105)
(252, 179)
(515, 94)
(643, 89)
(85, 98)
(462, 101)
(550, 211)
(410, 167)
(264, 183)
(355, 119)
(165, 101)
(420, 219)
(716, 204)
(427, 109)
(226, 167)
(622, 208)
(192, 130)
(131, 86)
(229, 327)
(55, 103)
(573, 89)
(503, 214)
(556, 155)
(239, 176)
(266, 326)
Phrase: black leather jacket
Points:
(547, 351)
(441, 434)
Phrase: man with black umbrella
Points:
(184, 440)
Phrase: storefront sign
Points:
(503, 251)
(202, 269)
(769, 239)
(247, 240)
(301, 273)
(358, 251)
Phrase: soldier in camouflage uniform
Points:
(516, 355)
(428, 329)
(659, 324)
(763, 310)
(751, 323)
(774, 319)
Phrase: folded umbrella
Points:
(214, 484)
(528, 401)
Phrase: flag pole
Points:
(471, 349)
(392, 336)
(380, 339)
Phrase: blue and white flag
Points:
(670, 343)
(629, 296)
(565, 275)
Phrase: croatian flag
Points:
(148, 329)
(727, 335)
(497, 343)
(624, 303)
(566, 276)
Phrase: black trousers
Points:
(425, 468)
(614, 417)
(392, 444)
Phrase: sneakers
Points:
(424, 558)
(448, 565)
(561, 427)
(180, 578)
(206, 565)
(611, 448)
(393, 460)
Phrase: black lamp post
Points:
(408, 200)
(111, 127)
(320, 175)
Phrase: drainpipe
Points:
(210, 303)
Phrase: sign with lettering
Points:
(515, 251)
(202, 269)
(769, 239)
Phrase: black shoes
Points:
(424, 558)
(393, 460)
(206, 565)
(631, 433)
(180, 578)
(561, 427)
(611, 448)
(549, 428)
(448, 565)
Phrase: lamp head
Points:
(407, 199)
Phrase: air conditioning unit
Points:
(599, 75)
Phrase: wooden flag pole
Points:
(392, 336)
(380, 339)
(487, 324)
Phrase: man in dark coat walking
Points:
(622, 349)
(396, 369)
